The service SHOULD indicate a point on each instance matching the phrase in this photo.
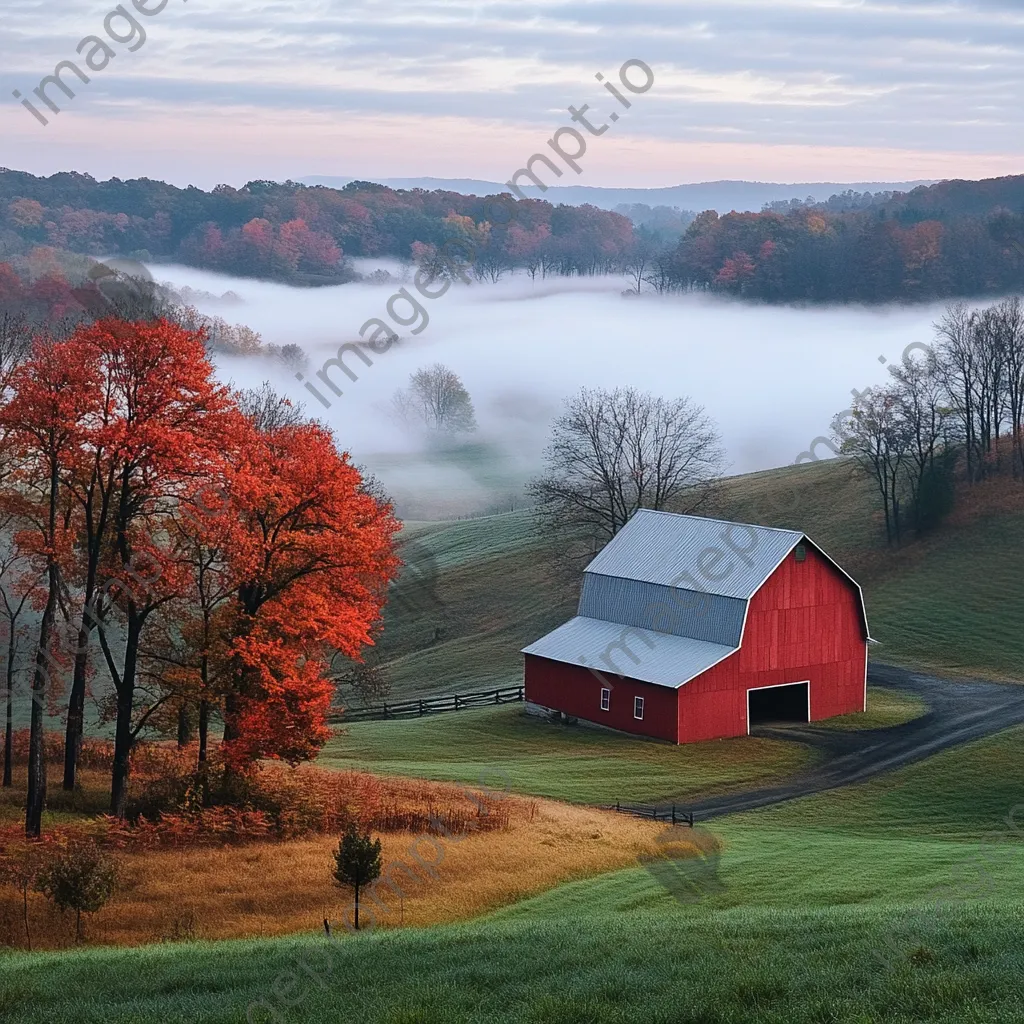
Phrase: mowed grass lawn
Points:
(505, 748)
(886, 708)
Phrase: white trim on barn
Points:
(866, 649)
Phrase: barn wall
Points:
(806, 619)
(577, 692)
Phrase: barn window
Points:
(801, 552)
(638, 707)
(606, 700)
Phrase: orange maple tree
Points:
(49, 398)
(310, 554)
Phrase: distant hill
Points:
(723, 196)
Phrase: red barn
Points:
(696, 629)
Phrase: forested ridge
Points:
(953, 239)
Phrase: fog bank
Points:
(771, 377)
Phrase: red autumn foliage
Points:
(114, 433)
(311, 555)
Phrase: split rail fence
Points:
(432, 705)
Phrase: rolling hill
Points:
(479, 590)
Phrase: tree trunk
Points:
(122, 752)
(357, 906)
(184, 728)
(204, 729)
(76, 704)
(123, 737)
(9, 727)
(36, 798)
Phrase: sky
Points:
(786, 90)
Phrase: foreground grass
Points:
(503, 747)
(656, 961)
(818, 911)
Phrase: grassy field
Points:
(476, 592)
(961, 794)
(650, 964)
(959, 606)
(505, 748)
(817, 911)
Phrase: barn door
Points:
(773, 705)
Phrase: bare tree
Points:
(268, 410)
(875, 435)
(958, 366)
(613, 452)
(1010, 316)
(926, 430)
(437, 399)
(641, 263)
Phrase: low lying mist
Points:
(771, 377)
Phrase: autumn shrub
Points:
(53, 747)
(172, 805)
(79, 876)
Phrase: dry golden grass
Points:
(270, 889)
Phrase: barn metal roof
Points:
(702, 616)
(709, 556)
(613, 649)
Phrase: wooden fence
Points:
(432, 705)
(672, 813)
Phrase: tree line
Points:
(959, 401)
(893, 248)
(299, 233)
(209, 552)
(946, 240)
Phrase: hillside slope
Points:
(952, 602)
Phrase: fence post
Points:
(673, 814)
(496, 696)
(421, 709)
(385, 712)
(456, 702)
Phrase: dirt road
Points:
(959, 712)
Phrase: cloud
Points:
(919, 75)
